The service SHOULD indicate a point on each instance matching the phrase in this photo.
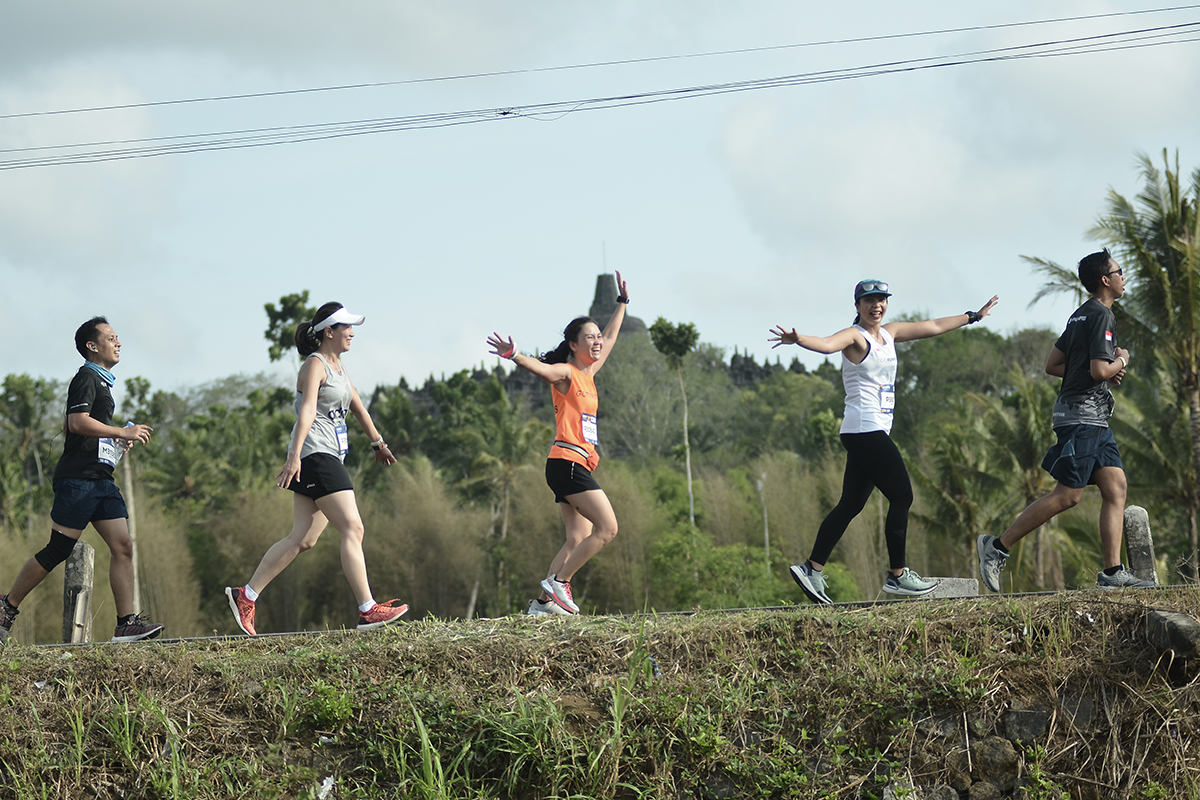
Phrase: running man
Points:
(1089, 362)
(84, 491)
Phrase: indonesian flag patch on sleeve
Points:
(1108, 336)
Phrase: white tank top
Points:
(870, 386)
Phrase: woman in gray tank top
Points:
(315, 473)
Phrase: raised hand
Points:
(500, 347)
(781, 335)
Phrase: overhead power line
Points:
(93, 152)
(595, 64)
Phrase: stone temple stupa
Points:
(604, 304)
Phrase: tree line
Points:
(720, 468)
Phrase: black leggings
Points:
(872, 459)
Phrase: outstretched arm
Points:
(550, 373)
(907, 331)
(847, 340)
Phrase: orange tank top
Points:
(575, 420)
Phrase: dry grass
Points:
(810, 702)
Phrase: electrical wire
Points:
(597, 64)
(117, 150)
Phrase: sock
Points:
(1110, 571)
(815, 569)
(251, 595)
(10, 605)
(996, 544)
(125, 620)
(367, 606)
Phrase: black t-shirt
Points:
(1082, 400)
(82, 455)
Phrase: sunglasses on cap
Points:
(867, 287)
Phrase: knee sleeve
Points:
(56, 552)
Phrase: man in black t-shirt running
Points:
(84, 491)
(1089, 362)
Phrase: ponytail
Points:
(308, 341)
(560, 354)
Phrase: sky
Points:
(735, 211)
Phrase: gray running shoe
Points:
(908, 584)
(812, 581)
(546, 608)
(991, 561)
(8, 615)
(560, 593)
(1124, 579)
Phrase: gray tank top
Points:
(328, 432)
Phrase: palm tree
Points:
(500, 448)
(1156, 238)
(675, 342)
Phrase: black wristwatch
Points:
(973, 317)
(622, 299)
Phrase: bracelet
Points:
(622, 299)
(972, 317)
(1124, 362)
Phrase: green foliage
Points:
(674, 341)
(282, 321)
(695, 573)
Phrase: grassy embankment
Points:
(809, 702)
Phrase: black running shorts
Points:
(1079, 452)
(566, 478)
(321, 474)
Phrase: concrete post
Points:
(77, 594)
(1139, 544)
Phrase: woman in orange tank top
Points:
(587, 514)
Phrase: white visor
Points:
(339, 317)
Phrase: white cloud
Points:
(75, 217)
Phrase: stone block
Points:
(955, 587)
(1139, 544)
(1025, 725)
(1167, 630)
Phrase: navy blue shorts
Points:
(78, 501)
(566, 478)
(321, 474)
(1079, 452)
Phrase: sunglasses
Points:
(1118, 271)
(865, 288)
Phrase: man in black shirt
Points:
(84, 490)
(1089, 362)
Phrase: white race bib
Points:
(887, 398)
(343, 438)
(108, 452)
(588, 428)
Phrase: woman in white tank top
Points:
(868, 349)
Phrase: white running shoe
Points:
(546, 608)
(560, 593)
(812, 581)
(908, 584)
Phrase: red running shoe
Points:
(243, 609)
(382, 614)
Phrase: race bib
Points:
(343, 438)
(887, 398)
(588, 428)
(108, 452)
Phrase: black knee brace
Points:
(56, 552)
